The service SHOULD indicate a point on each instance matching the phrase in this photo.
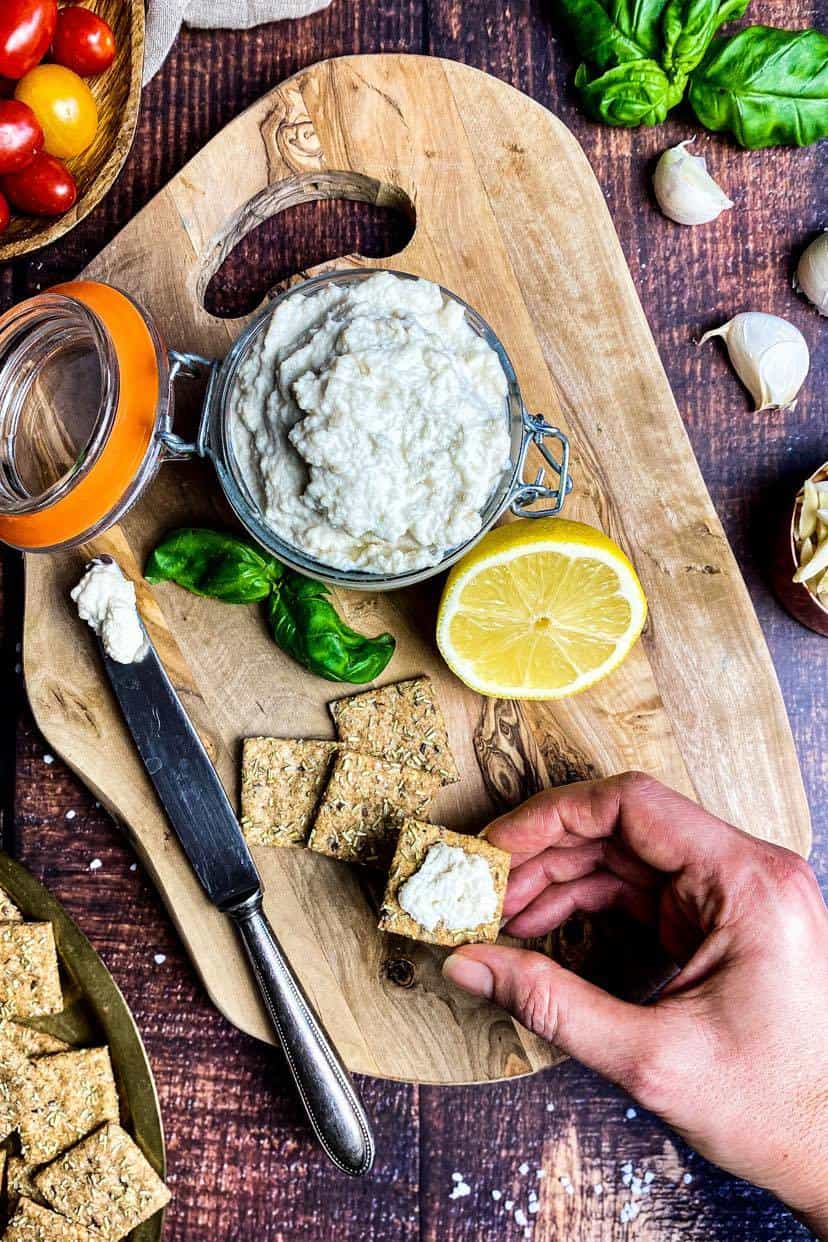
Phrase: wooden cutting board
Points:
(509, 215)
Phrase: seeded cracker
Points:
(105, 1184)
(32, 1223)
(19, 1184)
(29, 980)
(72, 1093)
(401, 723)
(30, 1042)
(15, 1090)
(414, 842)
(364, 805)
(282, 781)
(9, 912)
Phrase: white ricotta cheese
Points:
(368, 421)
(106, 599)
(451, 887)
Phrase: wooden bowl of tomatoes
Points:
(70, 89)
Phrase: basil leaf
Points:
(635, 93)
(765, 86)
(221, 566)
(608, 32)
(689, 26)
(306, 625)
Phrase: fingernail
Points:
(469, 974)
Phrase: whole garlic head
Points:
(812, 273)
(769, 355)
(684, 188)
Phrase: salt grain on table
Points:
(95, 864)
(521, 1218)
(48, 759)
(523, 1169)
(630, 1113)
(71, 814)
(160, 959)
(497, 1194)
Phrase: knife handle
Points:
(323, 1083)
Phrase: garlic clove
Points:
(769, 355)
(684, 189)
(812, 273)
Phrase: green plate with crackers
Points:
(94, 1014)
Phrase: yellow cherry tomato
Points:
(64, 106)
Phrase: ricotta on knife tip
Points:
(106, 601)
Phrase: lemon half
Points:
(540, 609)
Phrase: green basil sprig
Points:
(765, 86)
(302, 619)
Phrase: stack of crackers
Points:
(71, 1173)
(365, 797)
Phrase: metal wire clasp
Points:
(191, 366)
(536, 430)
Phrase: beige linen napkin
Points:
(164, 18)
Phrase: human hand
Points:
(733, 1053)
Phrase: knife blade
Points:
(199, 811)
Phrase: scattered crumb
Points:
(550, 1107)
(71, 814)
(630, 1113)
(509, 1204)
(133, 866)
(497, 1194)
(48, 758)
(457, 1177)
(687, 1179)
(461, 1189)
(521, 1218)
(523, 1169)
(598, 1188)
(534, 1206)
(95, 864)
(160, 959)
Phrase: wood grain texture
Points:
(117, 94)
(242, 1162)
(518, 228)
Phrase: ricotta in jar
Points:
(368, 422)
(106, 600)
(451, 887)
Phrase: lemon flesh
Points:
(540, 609)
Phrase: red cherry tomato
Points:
(44, 188)
(83, 41)
(20, 136)
(26, 30)
(5, 214)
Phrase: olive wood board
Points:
(509, 215)
(95, 1013)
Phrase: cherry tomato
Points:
(26, 30)
(65, 107)
(83, 41)
(5, 214)
(45, 188)
(20, 136)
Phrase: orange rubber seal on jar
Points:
(109, 477)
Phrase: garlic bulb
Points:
(769, 355)
(812, 273)
(684, 188)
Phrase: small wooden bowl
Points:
(118, 96)
(801, 603)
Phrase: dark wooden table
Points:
(242, 1165)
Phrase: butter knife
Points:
(198, 809)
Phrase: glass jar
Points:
(86, 418)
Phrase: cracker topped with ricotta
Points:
(444, 887)
(364, 804)
(401, 723)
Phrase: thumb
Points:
(611, 1036)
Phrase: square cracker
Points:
(29, 979)
(32, 1223)
(281, 783)
(414, 842)
(401, 723)
(30, 1042)
(105, 1184)
(364, 804)
(9, 912)
(71, 1094)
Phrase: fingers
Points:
(589, 894)
(606, 1034)
(555, 866)
(663, 828)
